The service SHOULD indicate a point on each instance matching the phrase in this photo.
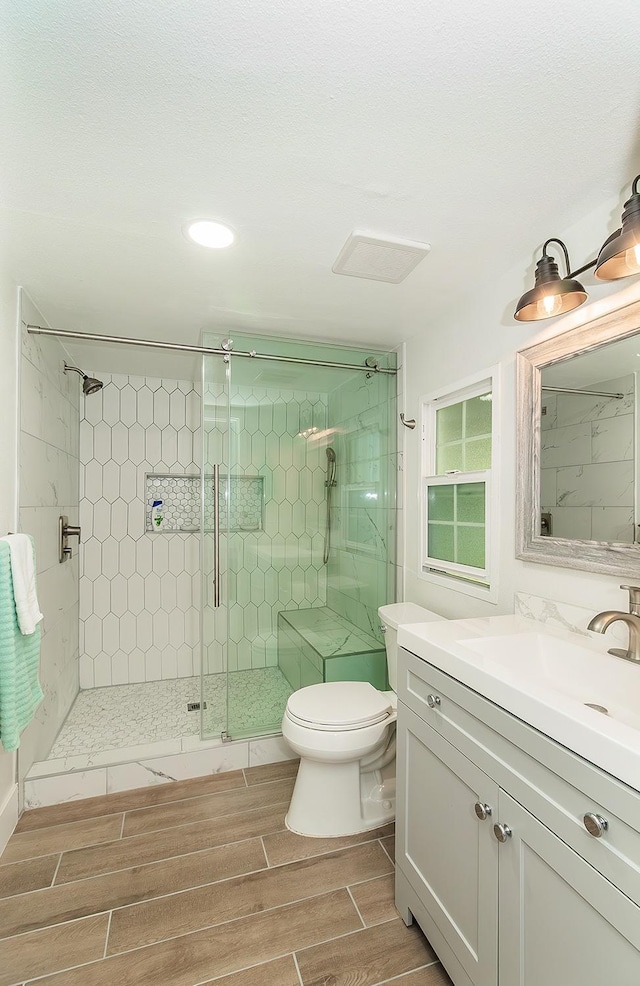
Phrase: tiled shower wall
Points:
(279, 567)
(587, 459)
(139, 590)
(362, 567)
(49, 414)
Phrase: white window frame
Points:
(450, 575)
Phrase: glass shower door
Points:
(214, 608)
(257, 691)
(291, 613)
(243, 691)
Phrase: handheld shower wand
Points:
(329, 483)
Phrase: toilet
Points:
(344, 733)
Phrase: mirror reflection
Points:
(588, 447)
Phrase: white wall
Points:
(8, 482)
(472, 335)
(48, 487)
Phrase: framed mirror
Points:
(578, 479)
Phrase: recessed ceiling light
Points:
(208, 233)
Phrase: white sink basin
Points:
(583, 675)
(548, 677)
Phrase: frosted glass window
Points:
(441, 502)
(463, 435)
(478, 416)
(456, 500)
(470, 503)
(441, 542)
(477, 454)
(449, 424)
(456, 523)
(471, 546)
(449, 459)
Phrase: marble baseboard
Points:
(8, 816)
(52, 782)
(60, 788)
(269, 749)
(163, 770)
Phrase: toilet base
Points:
(336, 799)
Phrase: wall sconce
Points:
(619, 257)
(620, 254)
(552, 295)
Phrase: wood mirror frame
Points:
(612, 558)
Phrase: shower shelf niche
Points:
(241, 502)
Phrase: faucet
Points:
(604, 620)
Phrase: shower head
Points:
(331, 455)
(90, 385)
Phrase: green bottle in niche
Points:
(157, 515)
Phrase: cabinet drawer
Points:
(553, 783)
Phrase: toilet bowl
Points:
(344, 734)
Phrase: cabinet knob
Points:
(482, 811)
(595, 824)
(502, 832)
(433, 701)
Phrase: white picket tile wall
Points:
(139, 591)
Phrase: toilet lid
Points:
(338, 705)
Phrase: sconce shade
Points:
(552, 294)
(620, 254)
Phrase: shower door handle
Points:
(216, 536)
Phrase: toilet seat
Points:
(338, 706)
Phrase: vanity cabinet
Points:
(493, 857)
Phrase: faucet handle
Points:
(634, 598)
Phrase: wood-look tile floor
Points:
(199, 883)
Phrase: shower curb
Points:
(52, 782)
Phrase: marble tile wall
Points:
(48, 486)
(139, 590)
(362, 567)
(587, 458)
(565, 616)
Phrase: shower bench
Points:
(317, 644)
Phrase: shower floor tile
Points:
(122, 716)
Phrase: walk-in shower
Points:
(329, 484)
(270, 562)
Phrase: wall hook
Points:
(408, 422)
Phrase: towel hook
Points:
(407, 422)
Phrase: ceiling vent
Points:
(379, 259)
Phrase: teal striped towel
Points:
(20, 691)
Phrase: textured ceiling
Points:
(479, 126)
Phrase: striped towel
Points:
(20, 691)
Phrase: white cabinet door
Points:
(561, 922)
(446, 852)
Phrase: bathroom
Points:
(169, 653)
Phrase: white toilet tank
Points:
(391, 617)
